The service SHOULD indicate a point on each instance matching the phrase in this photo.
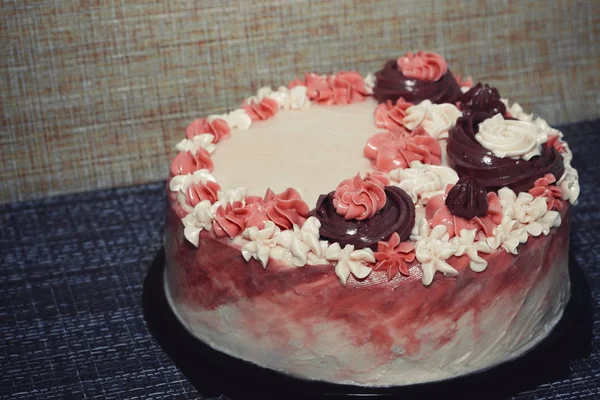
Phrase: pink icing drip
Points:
(398, 148)
(394, 256)
(218, 128)
(186, 162)
(263, 110)
(543, 188)
(196, 192)
(345, 87)
(389, 116)
(359, 198)
(425, 66)
(437, 213)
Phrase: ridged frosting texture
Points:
(468, 156)
(391, 84)
(425, 66)
(511, 138)
(360, 198)
(397, 215)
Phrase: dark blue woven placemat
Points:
(72, 269)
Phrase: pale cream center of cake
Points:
(311, 150)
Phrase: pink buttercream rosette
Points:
(360, 198)
(425, 66)
(285, 209)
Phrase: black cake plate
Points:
(214, 373)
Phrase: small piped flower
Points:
(392, 256)
(544, 187)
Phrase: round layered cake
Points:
(390, 229)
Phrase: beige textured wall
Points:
(96, 93)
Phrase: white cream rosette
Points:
(511, 138)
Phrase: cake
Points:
(389, 229)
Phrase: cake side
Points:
(375, 332)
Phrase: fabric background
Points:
(96, 93)
(72, 269)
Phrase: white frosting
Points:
(297, 243)
(181, 182)
(369, 83)
(523, 216)
(436, 119)
(231, 195)
(192, 145)
(200, 218)
(280, 152)
(299, 98)
(432, 249)
(510, 138)
(423, 181)
(516, 111)
(467, 245)
(350, 261)
(260, 242)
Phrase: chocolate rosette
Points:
(469, 158)
(397, 215)
(482, 98)
(391, 84)
(467, 198)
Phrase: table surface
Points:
(72, 273)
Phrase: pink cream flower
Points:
(397, 149)
(543, 188)
(359, 198)
(393, 256)
(425, 66)
(196, 192)
(437, 213)
(348, 87)
(345, 87)
(284, 209)
(389, 116)
(218, 127)
(263, 110)
(187, 163)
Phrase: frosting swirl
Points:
(187, 162)
(426, 66)
(397, 215)
(391, 84)
(397, 149)
(468, 156)
(359, 198)
(484, 98)
(511, 138)
(467, 198)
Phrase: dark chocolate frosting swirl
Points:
(391, 84)
(468, 198)
(469, 157)
(398, 215)
(482, 98)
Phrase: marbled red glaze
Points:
(281, 304)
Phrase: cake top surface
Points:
(400, 172)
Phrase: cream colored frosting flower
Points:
(467, 245)
(436, 119)
(423, 180)
(432, 249)
(260, 242)
(350, 261)
(200, 218)
(510, 138)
